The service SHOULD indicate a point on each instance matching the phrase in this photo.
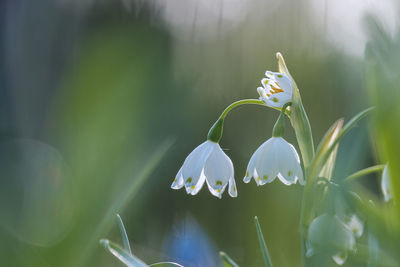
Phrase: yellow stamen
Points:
(276, 90)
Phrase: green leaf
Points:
(263, 246)
(166, 264)
(328, 140)
(328, 144)
(124, 236)
(226, 260)
(127, 258)
(363, 172)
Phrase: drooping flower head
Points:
(275, 158)
(276, 90)
(206, 163)
(328, 234)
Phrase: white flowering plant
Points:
(333, 219)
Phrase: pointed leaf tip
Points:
(227, 261)
(124, 235)
(263, 245)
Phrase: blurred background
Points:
(101, 101)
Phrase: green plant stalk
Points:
(298, 118)
(301, 125)
(279, 127)
(215, 133)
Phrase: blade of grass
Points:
(226, 260)
(263, 245)
(124, 236)
(127, 258)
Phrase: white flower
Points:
(355, 225)
(327, 233)
(277, 89)
(206, 163)
(275, 157)
(386, 185)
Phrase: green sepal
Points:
(215, 133)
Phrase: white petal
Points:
(340, 258)
(284, 82)
(218, 170)
(269, 74)
(252, 164)
(194, 164)
(265, 82)
(232, 190)
(278, 100)
(355, 225)
(194, 189)
(386, 185)
(266, 168)
(178, 181)
(289, 162)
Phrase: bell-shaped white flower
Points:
(386, 184)
(206, 163)
(276, 90)
(328, 234)
(275, 158)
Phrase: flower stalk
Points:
(215, 133)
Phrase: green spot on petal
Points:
(265, 177)
(247, 174)
(274, 99)
(189, 180)
(279, 75)
(289, 173)
(219, 182)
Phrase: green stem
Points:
(279, 127)
(238, 103)
(216, 130)
(360, 173)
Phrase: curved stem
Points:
(215, 132)
(363, 172)
(238, 103)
